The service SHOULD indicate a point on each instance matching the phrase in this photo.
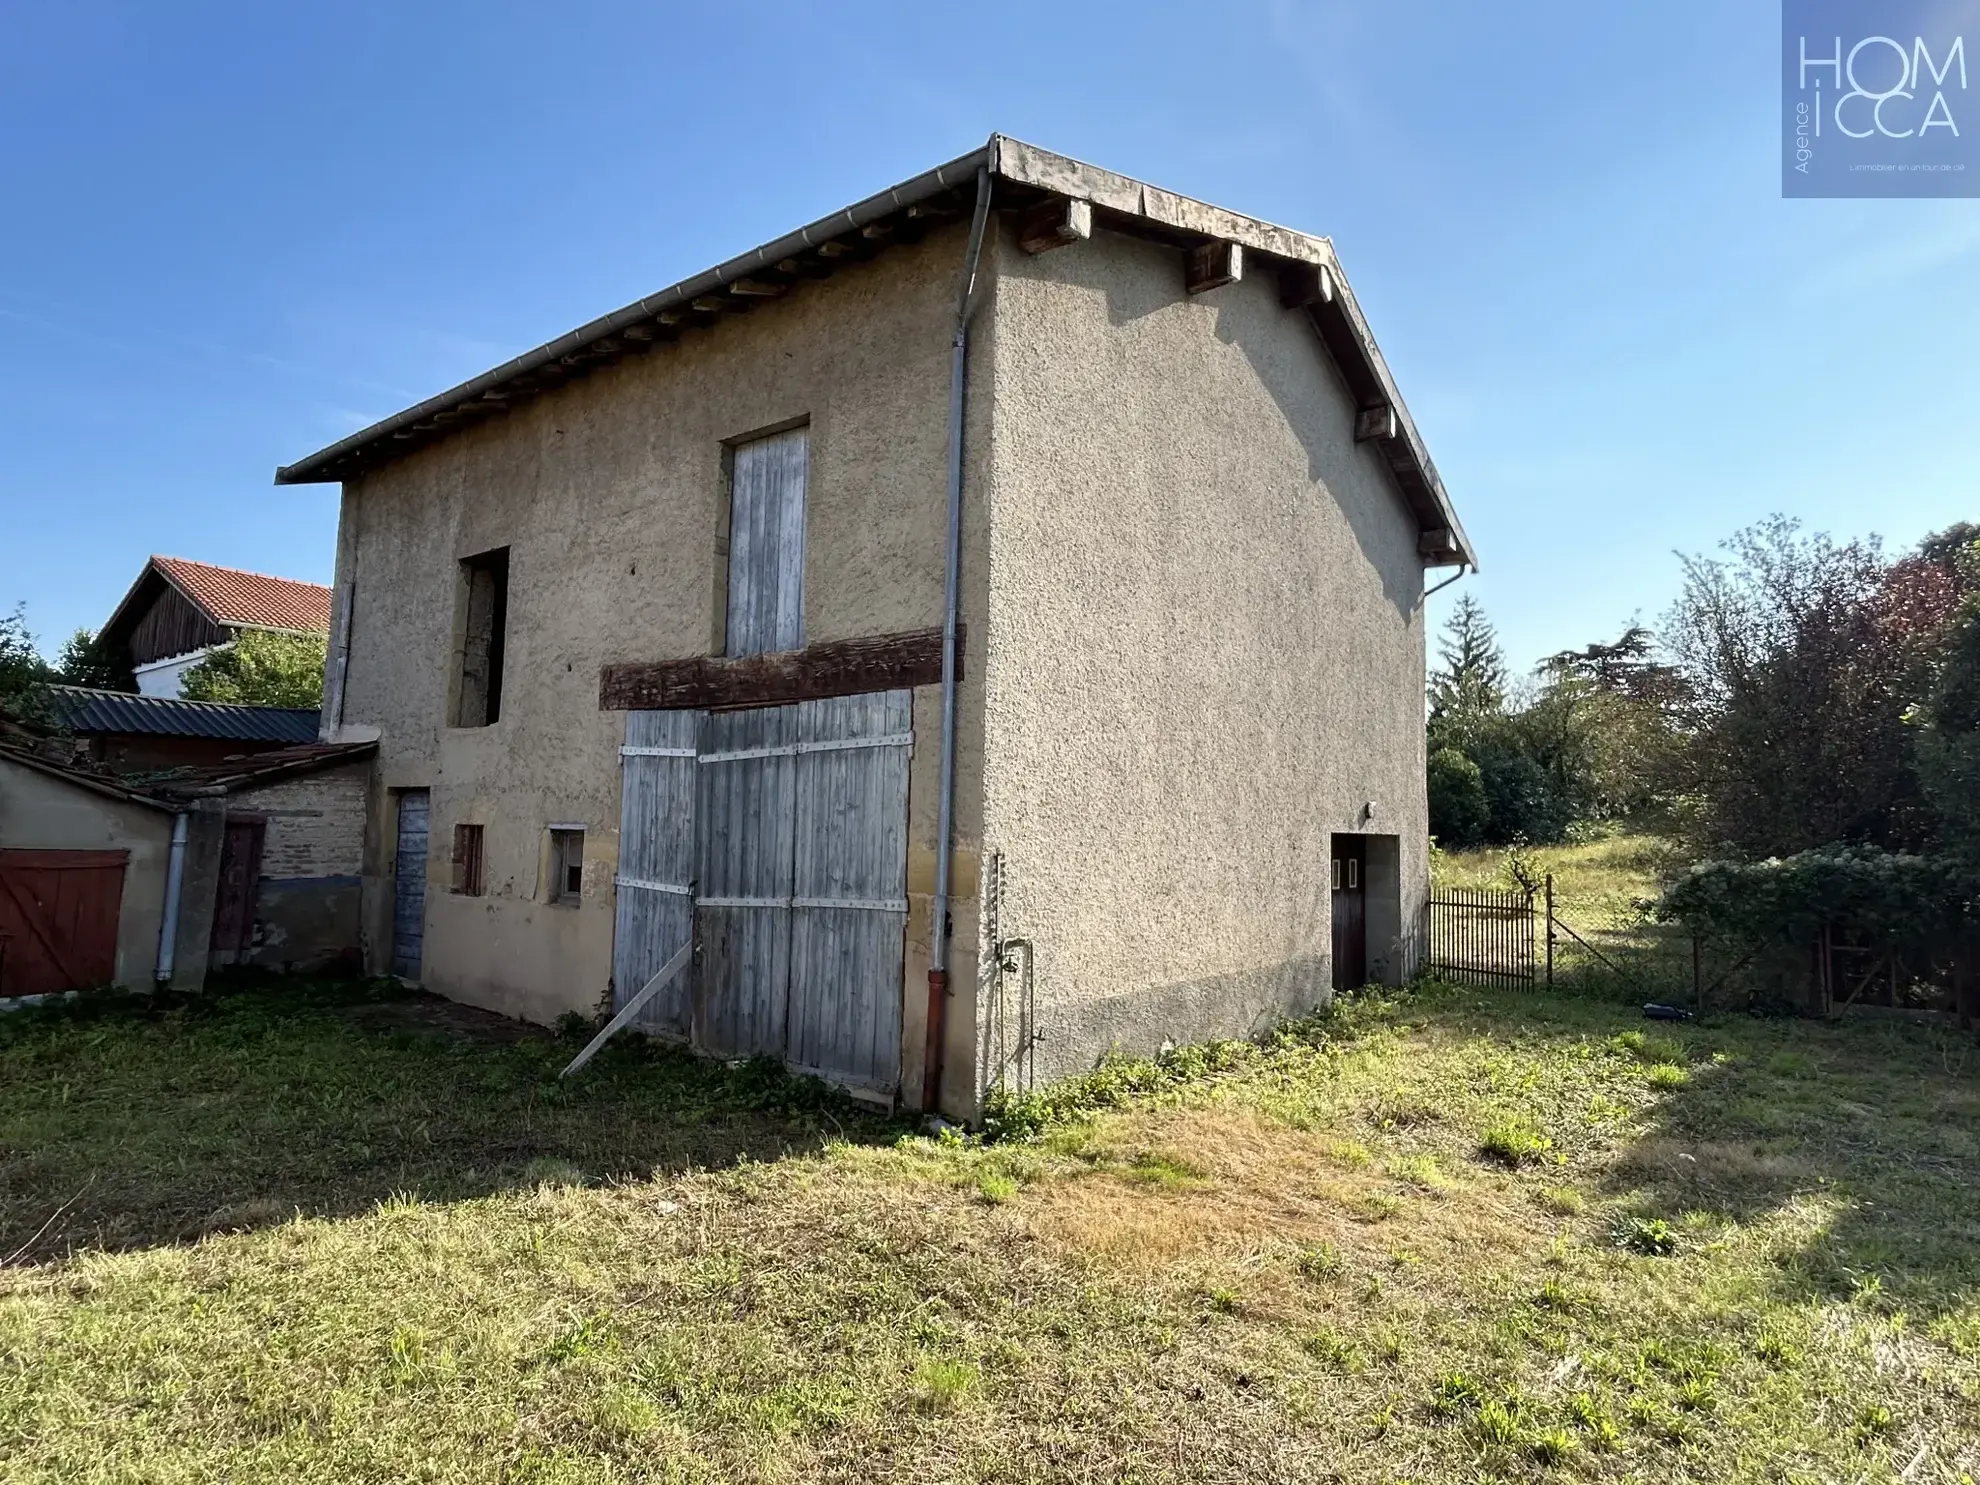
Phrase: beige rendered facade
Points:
(1190, 599)
(49, 810)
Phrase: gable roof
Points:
(1018, 175)
(83, 709)
(231, 596)
(228, 596)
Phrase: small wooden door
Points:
(58, 919)
(409, 885)
(234, 899)
(1350, 893)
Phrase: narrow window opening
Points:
(566, 866)
(484, 635)
(467, 860)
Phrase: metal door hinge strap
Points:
(853, 904)
(631, 751)
(674, 887)
(890, 740)
(786, 750)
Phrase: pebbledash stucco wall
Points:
(609, 495)
(1206, 655)
(308, 900)
(42, 813)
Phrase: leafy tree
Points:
(86, 661)
(1460, 814)
(1507, 762)
(22, 670)
(1803, 658)
(261, 668)
(1948, 747)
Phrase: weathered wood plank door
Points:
(655, 898)
(795, 826)
(58, 919)
(849, 888)
(745, 816)
(766, 543)
(409, 885)
(234, 899)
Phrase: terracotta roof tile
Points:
(235, 597)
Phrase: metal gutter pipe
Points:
(175, 878)
(939, 935)
(1463, 567)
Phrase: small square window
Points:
(467, 860)
(566, 865)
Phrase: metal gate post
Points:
(1550, 930)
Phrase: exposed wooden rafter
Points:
(1054, 224)
(1211, 265)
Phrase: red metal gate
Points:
(58, 919)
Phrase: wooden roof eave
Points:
(1022, 175)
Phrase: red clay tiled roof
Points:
(235, 597)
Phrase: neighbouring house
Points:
(178, 612)
(251, 861)
(132, 734)
(927, 731)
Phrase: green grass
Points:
(343, 1235)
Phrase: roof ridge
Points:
(266, 577)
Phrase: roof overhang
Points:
(89, 783)
(1021, 176)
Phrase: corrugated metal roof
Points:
(232, 596)
(81, 709)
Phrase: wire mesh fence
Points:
(1617, 948)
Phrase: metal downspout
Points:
(175, 877)
(938, 952)
(1463, 567)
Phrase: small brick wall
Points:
(307, 902)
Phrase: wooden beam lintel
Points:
(845, 667)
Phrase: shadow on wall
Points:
(1296, 370)
(131, 1123)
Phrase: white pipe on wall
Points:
(175, 877)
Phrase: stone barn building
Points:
(977, 631)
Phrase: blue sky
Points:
(235, 233)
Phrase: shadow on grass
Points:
(129, 1122)
(1871, 1129)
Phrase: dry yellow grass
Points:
(1303, 1264)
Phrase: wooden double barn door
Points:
(58, 919)
(776, 840)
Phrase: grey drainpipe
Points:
(175, 878)
(1463, 567)
(938, 952)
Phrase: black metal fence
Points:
(1517, 936)
(1480, 936)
